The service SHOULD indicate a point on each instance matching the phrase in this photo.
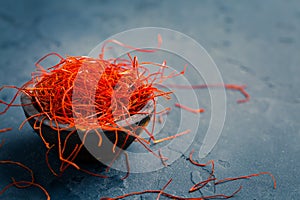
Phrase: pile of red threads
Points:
(121, 89)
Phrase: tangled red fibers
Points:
(122, 89)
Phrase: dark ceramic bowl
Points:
(93, 152)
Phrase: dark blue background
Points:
(252, 42)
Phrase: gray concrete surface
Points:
(253, 42)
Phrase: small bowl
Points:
(104, 153)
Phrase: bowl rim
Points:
(30, 110)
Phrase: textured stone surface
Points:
(253, 42)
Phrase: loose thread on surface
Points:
(172, 137)
(127, 165)
(234, 87)
(16, 184)
(170, 196)
(22, 184)
(5, 130)
(20, 165)
(247, 177)
(200, 110)
(210, 178)
(162, 158)
(47, 161)
(163, 188)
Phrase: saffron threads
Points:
(162, 158)
(5, 130)
(212, 162)
(20, 165)
(234, 87)
(197, 186)
(127, 165)
(123, 86)
(17, 185)
(215, 181)
(22, 184)
(11, 103)
(200, 110)
(247, 177)
(162, 190)
(201, 184)
(171, 137)
(170, 196)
